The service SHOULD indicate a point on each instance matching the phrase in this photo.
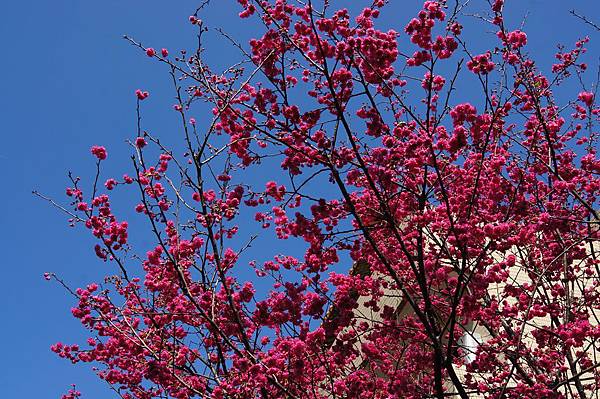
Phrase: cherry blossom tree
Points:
(444, 241)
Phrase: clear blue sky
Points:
(66, 81)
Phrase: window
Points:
(469, 343)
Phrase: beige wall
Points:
(518, 276)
